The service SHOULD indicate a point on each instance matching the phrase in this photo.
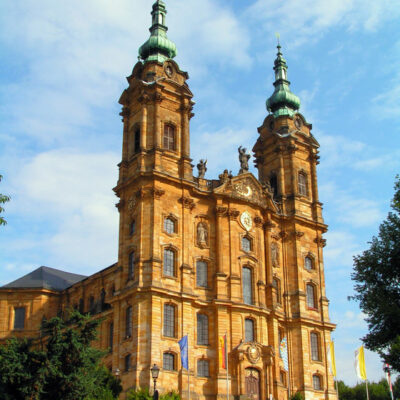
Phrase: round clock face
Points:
(246, 220)
(169, 71)
(298, 122)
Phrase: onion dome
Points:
(282, 101)
(158, 47)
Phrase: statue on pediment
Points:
(244, 159)
(202, 168)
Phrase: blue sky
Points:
(63, 68)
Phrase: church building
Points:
(238, 255)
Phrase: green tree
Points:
(377, 391)
(377, 284)
(62, 365)
(3, 199)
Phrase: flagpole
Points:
(366, 385)
(188, 367)
(227, 367)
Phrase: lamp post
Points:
(154, 374)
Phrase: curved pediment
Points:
(247, 188)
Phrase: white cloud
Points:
(340, 249)
(71, 192)
(299, 21)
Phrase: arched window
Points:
(19, 317)
(128, 322)
(110, 336)
(131, 265)
(169, 225)
(127, 362)
(309, 263)
(201, 273)
(132, 228)
(273, 182)
(302, 183)
(317, 382)
(169, 361)
(311, 303)
(247, 286)
(169, 320)
(276, 286)
(169, 262)
(246, 243)
(136, 140)
(203, 368)
(202, 329)
(314, 342)
(249, 330)
(169, 137)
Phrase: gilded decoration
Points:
(246, 220)
(253, 353)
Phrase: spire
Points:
(282, 101)
(158, 47)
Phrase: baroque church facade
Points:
(237, 255)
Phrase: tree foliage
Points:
(62, 365)
(3, 199)
(377, 391)
(377, 284)
(144, 394)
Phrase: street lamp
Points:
(155, 370)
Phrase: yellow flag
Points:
(360, 364)
(331, 358)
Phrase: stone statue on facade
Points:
(225, 176)
(244, 159)
(202, 234)
(202, 168)
(274, 255)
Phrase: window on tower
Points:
(310, 293)
(314, 343)
(19, 317)
(128, 322)
(317, 382)
(169, 137)
(111, 336)
(131, 265)
(276, 286)
(169, 320)
(309, 263)
(169, 262)
(169, 225)
(302, 184)
(136, 139)
(273, 182)
(247, 286)
(246, 244)
(202, 329)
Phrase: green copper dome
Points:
(282, 101)
(158, 47)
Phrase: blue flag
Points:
(183, 344)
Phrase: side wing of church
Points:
(237, 256)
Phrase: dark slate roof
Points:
(45, 278)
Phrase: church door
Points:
(252, 384)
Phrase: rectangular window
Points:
(317, 382)
(169, 137)
(249, 330)
(247, 286)
(168, 361)
(202, 329)
(128, 322)
(201, 274)
(169, 320)
(310, 296)
(314, 347)
(137, 141)
(19, 317)
(131, 265)
(111, 336)
(127, 362)
(169, 262)
(302, 184)
(203, 369)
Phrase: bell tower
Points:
(286, 152)
(157, 107)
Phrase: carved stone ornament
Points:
(202, 234)
(233, 214)
(321, 242)
(246, 220)
(132, 203)
(258, 221)
(187, 202)
(253, 353)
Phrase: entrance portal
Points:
(252, 383)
